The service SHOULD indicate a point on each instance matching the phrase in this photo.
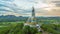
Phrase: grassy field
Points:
(19, 28)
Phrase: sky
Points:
(24, 7)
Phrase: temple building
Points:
(32, 21)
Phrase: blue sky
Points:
(24, 7)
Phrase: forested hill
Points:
(13, 18)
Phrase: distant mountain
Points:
(13, 18)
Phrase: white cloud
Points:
(42, 7)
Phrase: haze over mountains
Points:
(12, 18)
